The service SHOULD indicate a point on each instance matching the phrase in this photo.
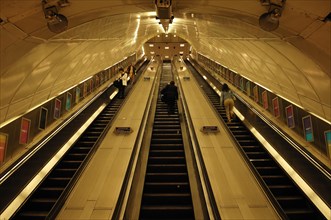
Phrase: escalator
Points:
(166, 191)
(291, 201)
(48, 198)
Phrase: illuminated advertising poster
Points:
(3, 146)
(85, 89)
(327, 136)
(236, 80)
(24, 132)
(242, 84)
(57, 109)
(43, 118)
(97, 81)
(68, 101)
(275, 105)
(91, 86)
(256, 93)
(232, 77)
(289, 116)
(77, 94)
(248, 88)
(308, 128)
(265, 99)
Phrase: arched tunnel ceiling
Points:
(36, 64)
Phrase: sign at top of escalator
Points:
(210, 129)
(123, 130)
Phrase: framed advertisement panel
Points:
(248, 88)
(265, 99)
(43, 118)
(308, 128)
(289, 116)
(77, 94)
(68, 101)
(256, 93)
(57, 108)
(97, 81)
(275, 106)
(3, 146)
(327, 137)
(236, 81)
(85, 89)
(25, 130)
(91, 86)
(241, 84)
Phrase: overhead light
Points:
(56, 22)
(269, 21)
(164, 13)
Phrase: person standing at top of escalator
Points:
(170, 94)
(227, 100)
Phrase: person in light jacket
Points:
(227, 100)
(124, 82)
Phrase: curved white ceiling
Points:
(36, 65)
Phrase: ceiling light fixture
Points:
(164, 13)
(270, 21)
(56, 22)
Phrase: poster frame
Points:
(265, 99)
(308, 117)
(43, 114)
(275, 106)
(77, 94)
(248, 88)
(57, 108)
(68, 101)
(256, 93)
(290, 118)
(327, 143)
(4, 147)
(24, 137)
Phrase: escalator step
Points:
(275, 180)
(268, 170)
(32, 215)
(49, 192)
(164, 199)
(166, 153)
(167, 212)
(166, 168)
(166, 177)
(173, 187)
(166, 160)
(289, 202)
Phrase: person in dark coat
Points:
(170, 94)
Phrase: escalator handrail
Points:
(203, 176)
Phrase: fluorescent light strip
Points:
(322, 206)
(18, 201)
